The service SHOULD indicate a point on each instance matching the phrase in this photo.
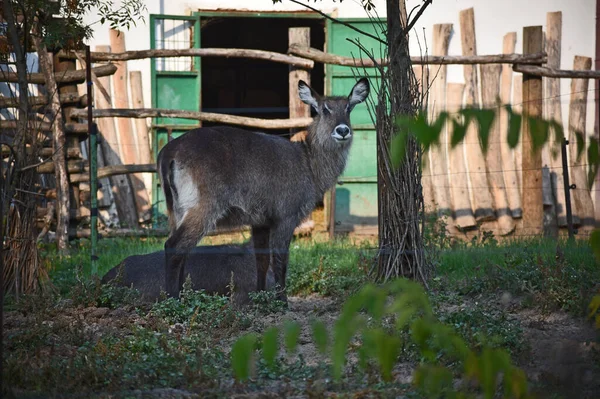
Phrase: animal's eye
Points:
(326, 110)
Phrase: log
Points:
(113, 170)
(518, 107)
(533, 209)
(121, 187)
(34, 101)
(459, 179)
(47, 152)
(553, 111)
(198, 52)
(59, 144)
(556, 73)
(583, 206)
(300, 37)
(200, 116)
(63, 77)
(128, 145)
(70, 128)
(72, 166)
(490, 93)
(438, 154)
(141, 128)
(481, 198)
(326, 58)
(511, 180)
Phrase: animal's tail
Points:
(165, 169)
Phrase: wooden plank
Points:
(301, 37)
(583, 206)
(511, 180)
(127, 140)
(480, 195)
(141, 129)
(556, 73)
(459, 178)
(533, 209)
(553, 109)
(326, 58)
(438, 154)
(517, 102)
(109, 143)
(490, 94)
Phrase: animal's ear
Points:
(359, 93)
(308, 95)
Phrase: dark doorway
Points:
(247, 87)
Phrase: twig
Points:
(340, 22)
(416, 18)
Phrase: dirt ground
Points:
(563, 357)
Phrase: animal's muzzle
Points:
(341, 132)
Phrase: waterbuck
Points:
(231, 177)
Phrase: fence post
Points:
(567, 188)
(93, 156)
(533, 210)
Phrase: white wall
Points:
(493, 19)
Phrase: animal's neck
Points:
(326, 160)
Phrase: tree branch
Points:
(340, 22)
(412, 23)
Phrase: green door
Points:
(175, 85)
(356, 195)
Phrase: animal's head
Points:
(332, 124)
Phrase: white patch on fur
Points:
(306, 96)
(326, 107)
(187, 194)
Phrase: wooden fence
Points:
(505, 190)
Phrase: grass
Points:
(183, 344)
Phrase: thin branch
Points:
(416, 18)
(340, 22)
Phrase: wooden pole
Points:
(511, 181)
(93, 157)
(481, 198)
(459, 179)
(490, 84)
(141, 128)
(518, 107)
(301, 37)
(553, 109)
(71, 76)
(127, 139)
(533, 209)
(109, 142)
(438, 154)
(582, 200)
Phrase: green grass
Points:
(553, 274)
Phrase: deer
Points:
(225, 176)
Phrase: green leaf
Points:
(580, 138)
(458, 133)
(595, 243)
(400, 141)
(539, 130)
(270, 345)
(291, 333)
(514, 127)
(593, 160)
(485, 119)
(388, 349)
(242, 355)
(320, 336)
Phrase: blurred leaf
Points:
(270, 345)
(400, 140)
(241, 356)
(458, 133)
(320, 336)
(539, 130)
(593, 160)
(514, 127)
(580, 138)
(485, 119)
(291, 334)
(595, 243)
(388, 349)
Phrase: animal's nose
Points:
(342, 130)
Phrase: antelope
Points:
(228, 176)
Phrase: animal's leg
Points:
(185, 237)
(260, 237)
(280, 239)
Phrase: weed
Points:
(266, 302)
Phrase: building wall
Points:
(493, 19)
